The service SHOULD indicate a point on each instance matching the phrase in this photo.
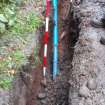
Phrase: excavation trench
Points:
(56, 92)
(81, 60)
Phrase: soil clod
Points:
(84, 91)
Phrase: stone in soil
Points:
(43, 102)
(43, 83)
(92, 84)
(102, 40)
(41, 96)
(84, 91)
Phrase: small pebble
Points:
(46, 89)
(63, 35)
(102, 40)
(43, 102)
(70, 83)
(41, 96)
(44, 83)
(84, 91)
(92, 84)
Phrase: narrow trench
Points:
(58, 91)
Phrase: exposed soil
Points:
(81, 60)
(57, 91)
(88, 58)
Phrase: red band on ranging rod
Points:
(47, 7)
(46, 38)
(44, 61)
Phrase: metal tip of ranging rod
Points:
(44, 72)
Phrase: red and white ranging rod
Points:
(46, 36)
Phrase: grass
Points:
(9, 67)
(26, 25)
(5, 81)
(9, 64)
(18, 57)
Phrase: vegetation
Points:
(12, 24)
(7, 14)
(30, 23)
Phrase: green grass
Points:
(14, 59)
(9, 67)
(5, 82)
(23, 26)
(18, 57)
